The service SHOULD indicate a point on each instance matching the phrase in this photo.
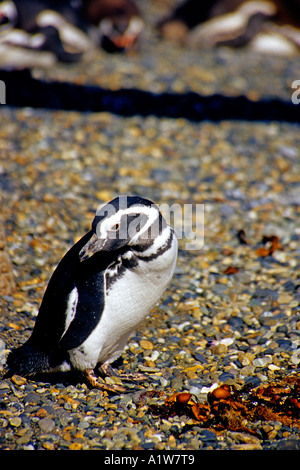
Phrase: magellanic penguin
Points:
(101, 290)
(41, 32)
(115, 25)
(262, 26)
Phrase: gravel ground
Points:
(230, 316)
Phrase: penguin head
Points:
(8, 15)
(116, 24)
(126, 221)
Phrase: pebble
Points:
(295, 358)
(16, 422)
(209, 327)
(46, 425)
(219, 349)
(262, 361)
(146, 344)
(244, 441)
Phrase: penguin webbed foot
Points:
(106, 370)
(96, 379)
(93, 380)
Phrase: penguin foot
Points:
(136, 377)
(107, 370)
(90, 377)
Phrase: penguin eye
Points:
(115, 227)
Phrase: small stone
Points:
(29, 447)
(273, 367)
(16, 422)
(18, 380)
(272, 434)
(246, 446)
(143, 368)
(154, 356)
(164, 382)
(23, 439)
(145, 344)
(219, 349)
(245, 358)
(46, 425)
(48, 445)
(4, 386)
(284, 299)
(195, 390)
(262, 361)
(171, 441)
(244, 441)
(76, 446)
(267, 428)
(295, 358)
(32, 398)
(41, 413)
(247, 370)
(176, 383)
(257, 310)
(227, 341)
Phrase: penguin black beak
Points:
(94, 245)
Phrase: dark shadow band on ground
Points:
(22, 90)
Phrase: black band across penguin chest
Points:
(118, 268)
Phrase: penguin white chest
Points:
(128, 299)
(132, 296)
(127, 303)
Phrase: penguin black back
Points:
(47, 346)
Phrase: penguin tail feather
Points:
(26, 360)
